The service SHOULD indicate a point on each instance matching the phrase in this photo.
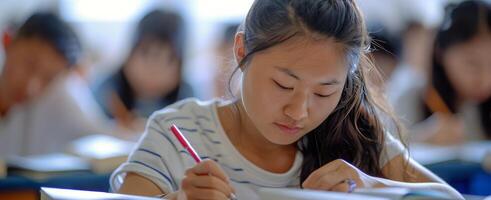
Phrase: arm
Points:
(205, 180)
(147, 170)
(332, 177)
(138, 185)
(413, 175)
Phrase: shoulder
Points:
(157, 136)
(392, 147)
(187, 114)
(186, 107)
(193, 117)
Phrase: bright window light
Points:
(97, 10)
(217, 10)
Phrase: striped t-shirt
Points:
(160, 157)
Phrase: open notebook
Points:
(64, 194)
(359, 194)
(264, 194)
(95, 153)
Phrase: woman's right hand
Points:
(206, 180)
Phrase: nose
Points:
(297, 108)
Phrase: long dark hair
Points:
(163, 26)
(354, 130)
(50, 28)
(461, 24)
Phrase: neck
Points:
(252, 144)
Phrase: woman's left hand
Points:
(339, 176)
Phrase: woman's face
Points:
(152, 70)
(468, 66)
(289, 89)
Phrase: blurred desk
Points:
(18, 187)
(461, 166)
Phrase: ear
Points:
(239, 48)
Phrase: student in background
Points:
(449, 102)
(150, 77)
(385, 54)
(306, 117)
(44, 102)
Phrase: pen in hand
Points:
(184, 142)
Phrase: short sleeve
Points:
(404, 94)
(151, 157)
(392, 148)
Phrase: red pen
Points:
(184, 142)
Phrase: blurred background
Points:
(88, 73)
(106, 28)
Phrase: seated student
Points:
(384, 54)
(44, 103)
(306, 117)
(451, 102)
(150, 78)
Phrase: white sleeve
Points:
(404, 92)
(155, 157)
(392, 148)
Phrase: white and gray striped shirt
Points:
(160, 158)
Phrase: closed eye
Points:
(281, 86)
(323, 96)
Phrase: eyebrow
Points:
(290, 73)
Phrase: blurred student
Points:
(44, 102)
(449, 102)
(385, 55)
(150, 77)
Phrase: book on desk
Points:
(40, 167)
(65, 194)
(392, 193)
(99, 154)
(266, 194)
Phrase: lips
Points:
(289, 129)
